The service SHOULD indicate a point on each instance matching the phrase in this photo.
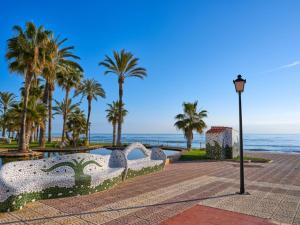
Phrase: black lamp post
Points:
(239, 84)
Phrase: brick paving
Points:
(203, 215)
(274, 194)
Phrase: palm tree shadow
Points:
(122, 209)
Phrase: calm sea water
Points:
(287, 143)
(252, 142)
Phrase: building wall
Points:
(222, 144)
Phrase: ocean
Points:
(252, 142)
(281, 143)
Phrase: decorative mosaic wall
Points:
(154, 160)
(222, 143)
(69, 175)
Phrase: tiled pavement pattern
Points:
(274, 193)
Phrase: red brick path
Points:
(204, 215)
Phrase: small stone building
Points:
(222, 142)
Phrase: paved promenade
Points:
(274, 194)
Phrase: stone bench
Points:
(69, 175)
(154, 160)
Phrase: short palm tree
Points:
(12, 118)
(76, 125)
(113, 115)
(68, 79)
(36, 112)
(190, 120)
(90, 89)
(123, 64)
(7, 99)
(25, 56)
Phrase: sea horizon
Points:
(286, 143)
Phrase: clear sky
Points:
(192, 51)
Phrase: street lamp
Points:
(239, 84)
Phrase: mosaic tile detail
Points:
(22, 182)
(154, 160)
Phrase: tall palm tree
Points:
(113, 115)
(190, 120)
(25, 56)
(67, 80)
(7, 99)
(123, 64)
(58, 60)
(90, 89)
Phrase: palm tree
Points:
(77, 125)
(191, 120)
(25, 56)
(90, 89)
(124, 65)
(7, 99)
(58, 60)
(67, 80)
(64, 109)
(112, 116)
(36, 112)
(36, 93)
(12, 118)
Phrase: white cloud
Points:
(289, 65)
(296, 63)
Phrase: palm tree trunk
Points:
(3, 131)
(22, 138)
(37, 129)
(31, 138)
(189, 144)
(28, 134)
(34, 133)
(50, 116)
(189, 140)
(88, 119)
(120, 119)
(65, 116)
(114, 134)
(3, 127)
(42, 138)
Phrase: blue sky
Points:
(192, 51)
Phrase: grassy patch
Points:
(54, 144)
(253, 159)
(200, 154)
(14, 145)
(194, 154)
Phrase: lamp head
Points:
(239, 84)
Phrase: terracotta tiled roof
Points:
(218, 129)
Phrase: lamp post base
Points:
(244, 193)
